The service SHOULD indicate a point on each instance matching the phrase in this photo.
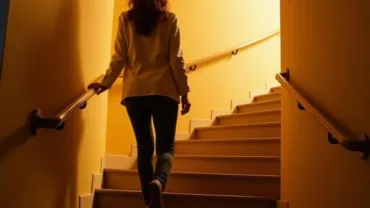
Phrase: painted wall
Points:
(326, 45)
(54, 49)
(207, 28)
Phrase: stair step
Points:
(226, 164)
(256, 130)
(259, 106)
(201, 183)
(254, 117)
(230, 147)
(277, 89)
(267, 97)
(133, 199)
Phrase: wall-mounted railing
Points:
(193, 65)
(335, 136)
(38, 121)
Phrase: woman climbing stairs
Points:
(235, 163)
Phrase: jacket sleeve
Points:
(177, 60)
(119, 58)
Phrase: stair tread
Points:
(268, 94)
(200, 174)
(250, 114)
(229, 140)
(118, 191)
(229, 157)
(260, 103)
(251, 125)
(276, 87)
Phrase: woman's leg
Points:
(165, 111)
(140, 116)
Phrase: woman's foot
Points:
(155, 188)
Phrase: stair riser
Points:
(265, 131)
(257, 118)
(201, 184)
(255, 148)
(136, 201)
(268, 97)
(226, 166)
(262, 107)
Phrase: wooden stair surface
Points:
(247, 118)
(132, 199)
(201, 183)
(268, 97)
(233, 164)
(259, 106)
(231, 147)
(256, 130)
(278, 89)
(226, 164)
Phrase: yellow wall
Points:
(326, 45)
(53, 50)
(208, 27)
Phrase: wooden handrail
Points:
(192, 66)
(335, 136)
(38, 121)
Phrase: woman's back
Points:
(152, 50)
(147, 49)
(149, 69)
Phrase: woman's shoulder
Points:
(124, 14)
(172, 17)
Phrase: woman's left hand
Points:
(99, 88)
(186, 105)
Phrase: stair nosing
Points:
(230, 140)
(118, 191)
(198, 174)
(250, 125)
(250, 113)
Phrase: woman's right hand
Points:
(98, 87)
(186, 105)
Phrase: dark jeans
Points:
(164, 112)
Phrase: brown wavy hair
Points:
(145, 14)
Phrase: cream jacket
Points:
(152, 65)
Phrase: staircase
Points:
(235, 163)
